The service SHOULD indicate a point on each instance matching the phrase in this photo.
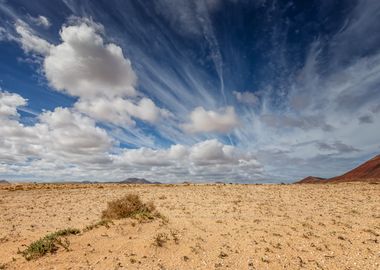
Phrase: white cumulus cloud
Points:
(120, 111)
(222, 121)
(9, 103)
(66, 144)
(57, 135)
(74, 133)
(202, 160)
(84, 66)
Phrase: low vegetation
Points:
(49, 244)
(104, 222)
(130, 206)
(160, 239)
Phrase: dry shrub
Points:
(130, 206)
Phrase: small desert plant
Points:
(104, 222)
(48, 244)
(160, 239)
(175, 236)
(130, 206)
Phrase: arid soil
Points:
(332, 226)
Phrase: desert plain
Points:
(205, 226)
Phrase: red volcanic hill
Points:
(367, 172)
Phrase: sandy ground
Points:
(333, 226)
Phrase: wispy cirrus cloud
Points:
(30, 42)
(41, 21)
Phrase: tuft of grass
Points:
(104, 222)
(49, 244)
(130, 206)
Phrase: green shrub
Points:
(49, 244)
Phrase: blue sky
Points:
(188, 90)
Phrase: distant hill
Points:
(369, 171)
(4, 182)
(126, 181)
(311, 180)
(89, 182)
(137, 181)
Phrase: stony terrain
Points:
(332, 226)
